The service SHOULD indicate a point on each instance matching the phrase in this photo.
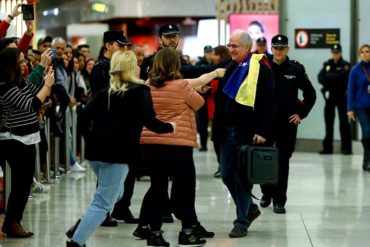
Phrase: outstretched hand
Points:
(220, 72)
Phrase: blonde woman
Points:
(111, 124)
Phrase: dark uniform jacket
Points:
(245, 119)
(334, 78)
(113, 135)
(100, 77)
(188, 71)
(289, 77)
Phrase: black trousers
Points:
(285, 143)
(121, 207)
(344, 128)
(169, 160)
(202, 124)
(21, 159)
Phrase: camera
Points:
(28, 12)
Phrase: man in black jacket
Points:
(290, 76)
(334, 77)
(237, 123)
(112, 41)
(99, 79)
(169, 37)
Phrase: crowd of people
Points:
(141, 114)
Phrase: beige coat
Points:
(175, 102)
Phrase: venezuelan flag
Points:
(242, 84)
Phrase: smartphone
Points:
(28, 11)
(53, 53)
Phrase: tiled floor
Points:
(328, 206)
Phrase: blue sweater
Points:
(358, 95)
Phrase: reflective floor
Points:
(328, 205)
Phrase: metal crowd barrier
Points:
(70, 131)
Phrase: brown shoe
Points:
(238, 232)
(15, 230)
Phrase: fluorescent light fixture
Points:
(100, 7)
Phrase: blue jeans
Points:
(363, 116)
(228, 167)
(111, 178)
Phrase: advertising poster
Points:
(257, 25)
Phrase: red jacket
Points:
(23, 43)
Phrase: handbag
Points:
(258, 164)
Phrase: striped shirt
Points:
(23, 104)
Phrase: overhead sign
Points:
(316, 38)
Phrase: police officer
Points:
(334, 77)
(169, 37)
(261, 47)
(202, 114)
(290, 76)
(113, 41)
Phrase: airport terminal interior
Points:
(328, 206)
(328, 202)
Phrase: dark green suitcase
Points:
(258, 164)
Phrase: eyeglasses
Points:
(233, 46)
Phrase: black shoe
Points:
(265, 201)
(326, 152)
(142, 232)
(109, 222)
(201, 232)
(346, 152)
(279, 209)
(72, 230)
(203, 149)
(252, 216)
(156, 240)
(217, 174)
(190, 239)
(73, 244)
(127, 218)
(167, 218)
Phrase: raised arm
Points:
(205, 78)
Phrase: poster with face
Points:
(257, 25)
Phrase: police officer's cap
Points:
(207, 48)
(116, 35)
(279, 41)
(261, 41)
(336, 48)
(168, 29)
